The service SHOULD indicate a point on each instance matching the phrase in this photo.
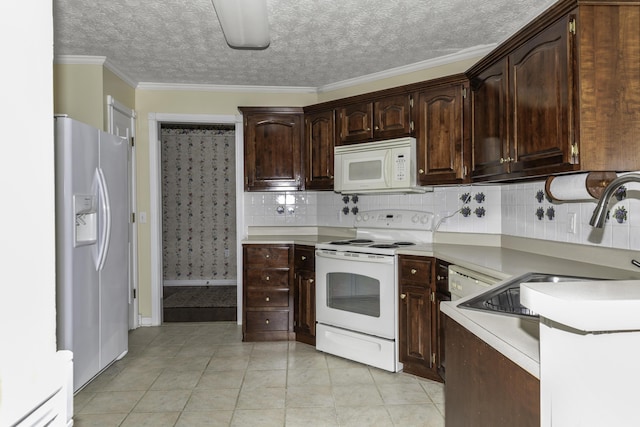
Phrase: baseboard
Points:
(146, 321)
(225, 282)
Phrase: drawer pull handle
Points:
(403, 296)
(414, 271)
(303, 257)
(267, 256)
(267, 299)
(266, 278)
(266, 321)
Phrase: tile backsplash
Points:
(520, 209)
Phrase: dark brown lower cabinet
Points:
(305, 295)
(483, 387)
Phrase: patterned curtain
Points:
(198, 202)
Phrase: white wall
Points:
(509, 209)
(27, 234)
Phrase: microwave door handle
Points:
(388, 168)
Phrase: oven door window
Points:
(353, 293)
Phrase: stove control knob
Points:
(424, 219)
(365, 217)
(415, 219)
(358, 218)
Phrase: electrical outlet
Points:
(571, 223)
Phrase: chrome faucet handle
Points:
(600, 212)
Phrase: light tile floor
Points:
(202, 374)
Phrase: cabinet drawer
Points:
(305, 258)
(274, 298)
(258, 321)
(267, 278)
(260, 256)
(415, 270)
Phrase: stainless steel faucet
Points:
(600, 213)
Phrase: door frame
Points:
(155, 203)
(114, 106)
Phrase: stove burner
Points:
(385, 245)
(404, 243)
(352, 242)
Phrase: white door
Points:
(122, 122)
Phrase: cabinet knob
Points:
(266, 321)
(403, 296)
(421, 171)
(266, 278)
(310, 280)
(267, 256)
(376, 127)
(303, 257)
(267, 299)
(368, 129)
(438, 277)
(414, 271)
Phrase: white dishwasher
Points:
(463, 282)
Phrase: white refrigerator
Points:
(92, 244)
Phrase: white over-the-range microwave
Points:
(377, 167)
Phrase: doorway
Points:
(156, 121)
(198, 222)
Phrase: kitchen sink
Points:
(505, 298)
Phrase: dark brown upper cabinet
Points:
(318, 150)
(561, 95)
(441, 133)
(520, 109)
(272, 148)
(384, 118)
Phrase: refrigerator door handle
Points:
(106, 227)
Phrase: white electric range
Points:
(357, 286)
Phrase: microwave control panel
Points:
(400, 169)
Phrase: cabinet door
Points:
(354, 123)
(489, 121)
(319, 138)
(541, 90)
(417, 340)
(305, 294)
(440, 137)
(485, 386)
(415, 327)
(442, 294)
(305, 303)
(273, 152)
(392, 117)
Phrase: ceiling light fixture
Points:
(244, 23)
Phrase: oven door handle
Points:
(356, 256)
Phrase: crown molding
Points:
(470, 53)
(94, 60)
(224, 88)
(474, 52)
(79, 59)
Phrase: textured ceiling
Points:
(313, 42)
